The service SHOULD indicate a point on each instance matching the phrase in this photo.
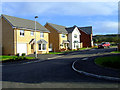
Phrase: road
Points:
(54, 73)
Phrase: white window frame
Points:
(22, 33)
(63, 35)
(42, 47)
(41, 34)
(75, 35)
(32, 33)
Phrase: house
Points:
(74, 37)
(18, 36)
(63, 38)
(86, 36)
(57, 37)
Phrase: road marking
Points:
(55, 57)
(84, 58)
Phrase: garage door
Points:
(22, 48)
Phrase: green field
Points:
(3, 58)
(111, 61)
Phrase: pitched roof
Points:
(59, 28)
(70, 29)
(87, 30)
(66, 30)
(24, 23)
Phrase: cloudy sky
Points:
(103, 16)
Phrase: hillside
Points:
(106, 38)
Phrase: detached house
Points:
(63, 38)
(18, 36)
(86, 36)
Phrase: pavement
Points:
(87, 67)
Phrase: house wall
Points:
(85, 39)
(61, 41)
(7, 38)
(26, 39)
(76, 31)
(70, 39)
(0, 36)
(53, 38)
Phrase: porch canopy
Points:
(65, 41)
(42, 41)
(32, 41)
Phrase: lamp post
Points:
(35, 38)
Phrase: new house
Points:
(18, 36)
(86, 36)
(63, 38)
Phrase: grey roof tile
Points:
(24, 23)
(59, 28)
(87, 30)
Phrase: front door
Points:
(32, 48)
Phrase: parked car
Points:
(104, 44)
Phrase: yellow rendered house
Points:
(18, 36)
(58, 37)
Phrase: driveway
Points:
(53, 73)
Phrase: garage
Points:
(22, 48)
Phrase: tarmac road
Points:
(54, 73)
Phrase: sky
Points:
(102, 16)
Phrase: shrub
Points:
(18, 54)
(23, 54)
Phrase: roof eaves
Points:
(7, 20)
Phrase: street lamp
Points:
(35, 38)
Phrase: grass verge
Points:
(68, 51)
(5, 58)
(115, 52)
(111, 61)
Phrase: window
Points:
(42, 46)
(32, 33)
(63, 35)
(42, 35)
(21, 32)
(75, 35)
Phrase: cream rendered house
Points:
(18, 36)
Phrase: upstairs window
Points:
(21, 32)
(75, 35)
(42, 35)
(63, 35)
(32, 33)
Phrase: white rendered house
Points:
(73, 37)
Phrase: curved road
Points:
(57, 71)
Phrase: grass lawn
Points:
(55, 53)
(84, 48)
(67, 51)
(115, 52)
(3, 58)
(111, 61)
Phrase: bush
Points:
(23, 54)
(18, 54)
